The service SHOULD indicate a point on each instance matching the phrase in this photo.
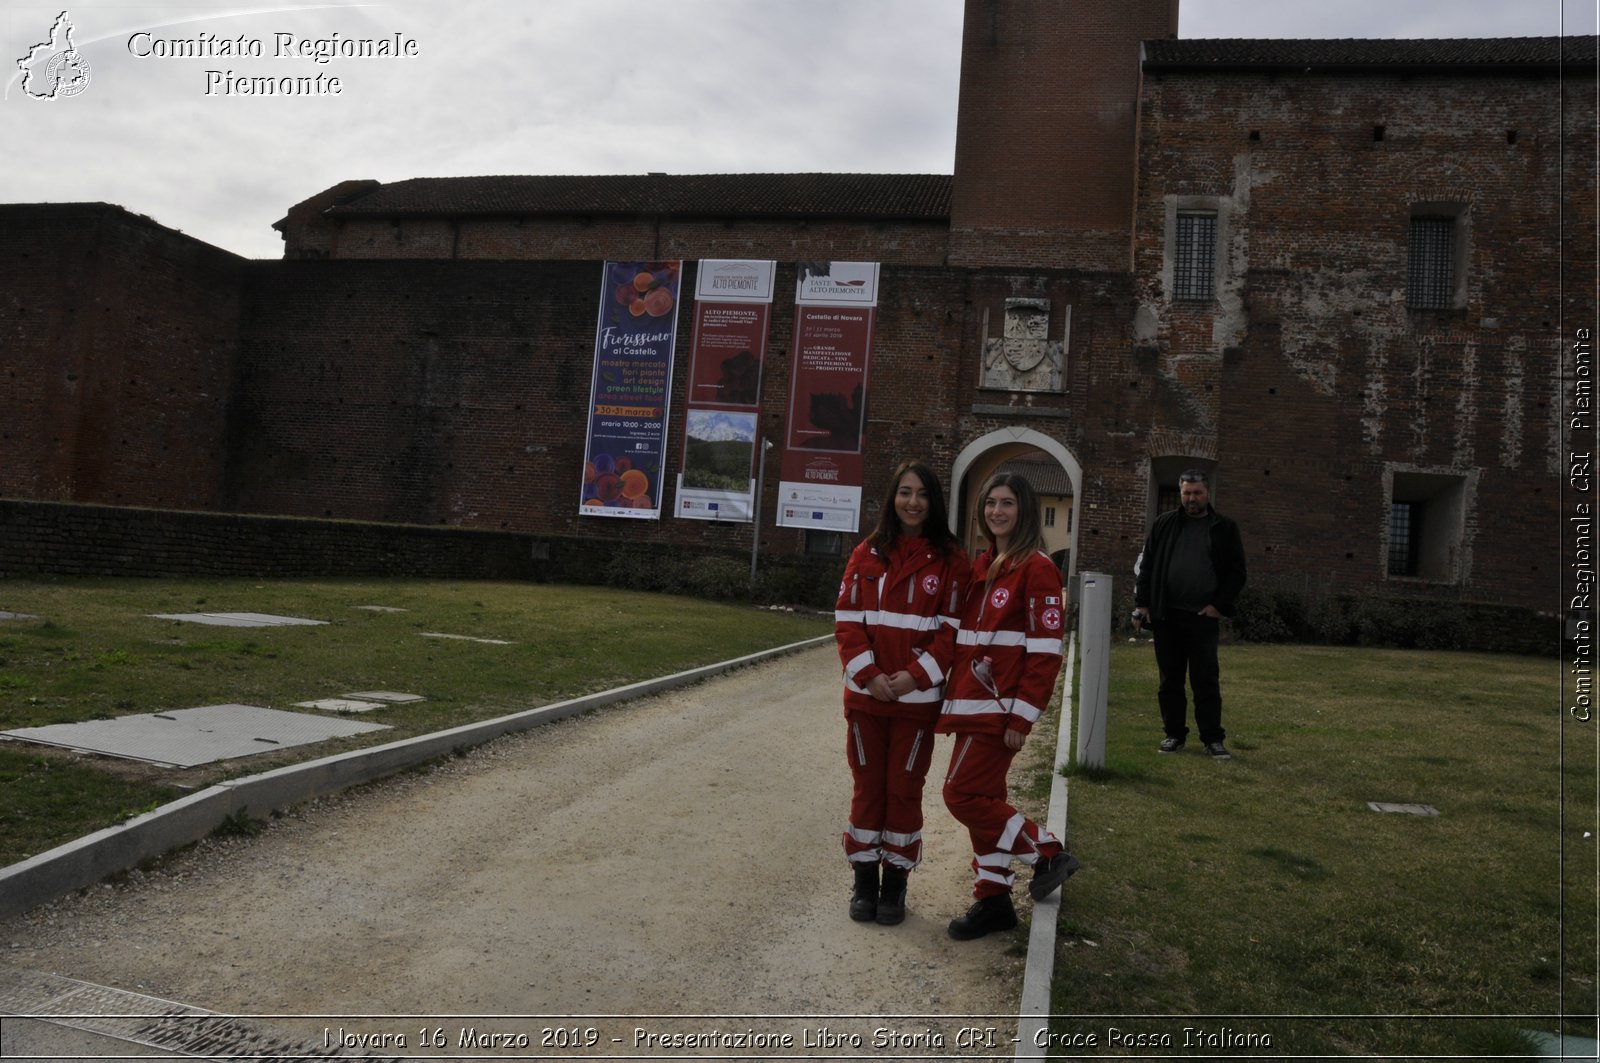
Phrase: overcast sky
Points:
(546, 87)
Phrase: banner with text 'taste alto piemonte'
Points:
(722, 426)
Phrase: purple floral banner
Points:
(633, 349)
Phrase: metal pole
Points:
(755, 509)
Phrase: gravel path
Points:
(675, 856)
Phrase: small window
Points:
(1049, 516)
(1427, 526)
(823, 543)
(1402, 558)
(1167, 498)
(1431, 276)
(1194, 267)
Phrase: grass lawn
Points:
(1222, 894)
(95, 653)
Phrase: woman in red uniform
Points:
(895, 624)
(1008, 654)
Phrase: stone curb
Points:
(1038, 977)
(83, 862)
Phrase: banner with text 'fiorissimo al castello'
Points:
(722, 428)
(633, 350)
(823, 463)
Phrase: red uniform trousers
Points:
(889, 758)
(975, 793)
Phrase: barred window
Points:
(1402, 558)
(1167, 499)
(1194, 267)
(1431, 274)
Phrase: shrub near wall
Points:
(1269, 612)
(81, 540)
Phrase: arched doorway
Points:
(983, 456)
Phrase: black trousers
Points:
(1186, 650)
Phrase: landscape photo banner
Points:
(823, 464)
(634, 342)
(732, 310)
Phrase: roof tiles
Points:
(924, 197)
(1488, 53)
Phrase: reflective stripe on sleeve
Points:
(969, 637)
(858, 662)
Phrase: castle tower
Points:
(1046, 131)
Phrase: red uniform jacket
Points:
(899, 614)
(1015, 622)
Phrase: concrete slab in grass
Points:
(464, 638)
(16, 616)
(341, 705)
(1409, 810)
(382, 609)
(187, 737)
(1566, 1046)
(239, 619)
(393, 696)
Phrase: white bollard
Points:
(1094, 639)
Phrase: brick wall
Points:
(69, 539)
(456, 393)
(119, 337)
(1045, 131)
(1309, 373)
(642, 236)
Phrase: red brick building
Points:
(1327, 271)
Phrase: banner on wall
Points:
(823, 465)
(628, 398)
(733, 306)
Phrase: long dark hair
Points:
(935, 527)
(1028, 536)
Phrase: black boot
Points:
(984, 917)
(864, 901)
(1051, 873)
(892, 898)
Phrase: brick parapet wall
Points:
(639, 236)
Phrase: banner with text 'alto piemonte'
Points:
(823, 462)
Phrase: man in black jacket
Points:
(1186, 580)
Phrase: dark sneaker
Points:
(1170, 745)
(1048, 875)
(987, 916)
(1218, 751)
(864, 899)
